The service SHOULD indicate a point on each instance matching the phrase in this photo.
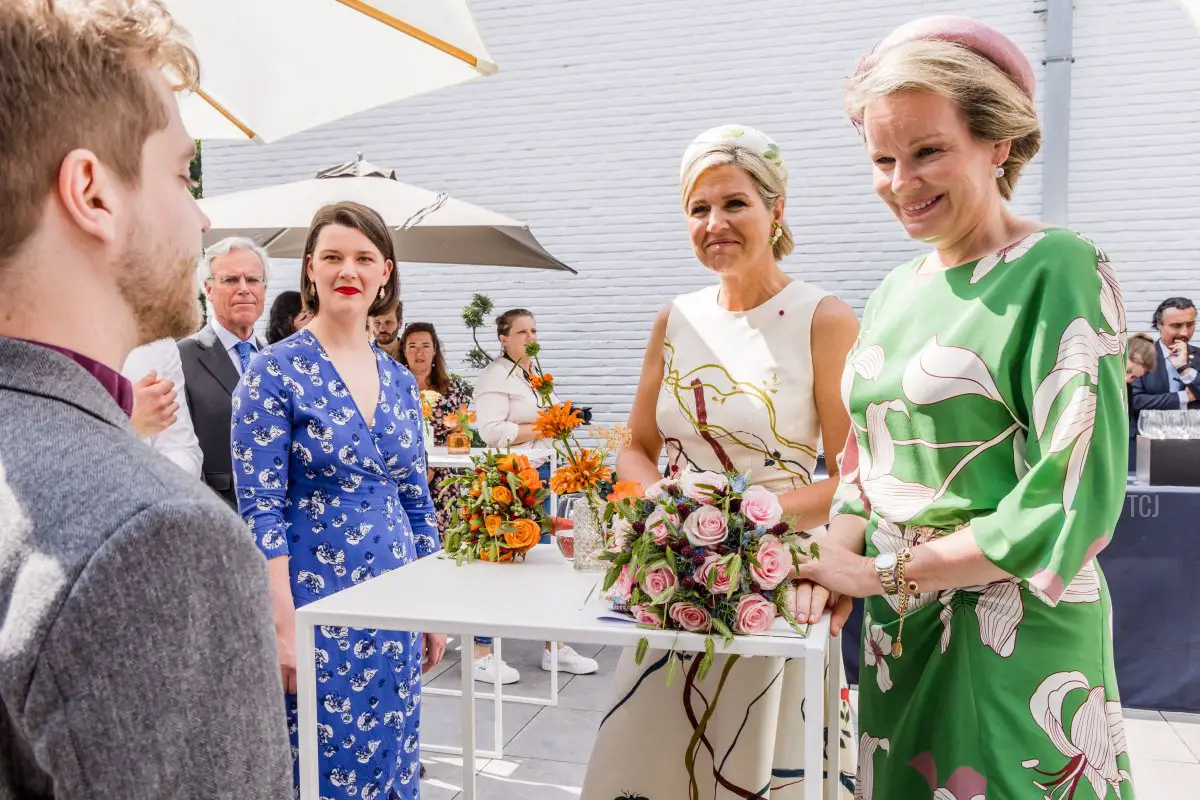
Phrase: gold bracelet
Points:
(906, 589)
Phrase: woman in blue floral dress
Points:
(330, 474)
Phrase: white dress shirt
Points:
(504, 400)
(230, 342)
(178, 442)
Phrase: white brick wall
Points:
(581, 133)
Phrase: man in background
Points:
(387, 328)
(235, 283)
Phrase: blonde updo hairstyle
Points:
(764, 176)
(995, 108)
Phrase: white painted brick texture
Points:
(581, 133)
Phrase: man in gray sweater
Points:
(137, 653)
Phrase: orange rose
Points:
(493, 524)
(502, 495)
(507, 463)
(530, 479)
(548, 377)
(523, 534)
(522, 463)
(475, 488)
(623, 490)
(505, 555)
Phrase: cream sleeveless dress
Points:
(737, 394)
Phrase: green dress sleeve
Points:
(1068, 382)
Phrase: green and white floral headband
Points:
(742, 136)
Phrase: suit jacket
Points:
(210, 377)
(1153, 392)
(137, 650)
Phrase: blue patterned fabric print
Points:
(345, 503)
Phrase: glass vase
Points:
(589, 536)
(458, 443)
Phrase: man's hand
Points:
(1179, 355)
(154, 405)
(435, 648)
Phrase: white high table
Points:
(542, 598)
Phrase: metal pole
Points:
(1056, 110)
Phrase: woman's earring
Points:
(382, 289)
(999, 171)
(776, 233)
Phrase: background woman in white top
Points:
(505, 407)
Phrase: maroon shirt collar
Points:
(113, 382)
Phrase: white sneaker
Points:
(570, 661)
(485, 670)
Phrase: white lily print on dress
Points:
(1005, 256)
(1097, 738)
(867, 745)
(998, 609)
(867, 365)
(877, 646)
(964, 783)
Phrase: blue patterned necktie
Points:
(244, 350)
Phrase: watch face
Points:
(885, 561)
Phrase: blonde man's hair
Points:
(1143, 350)
(994, 107)
(763, 175)
(71, 76)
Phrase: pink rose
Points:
(657, 581)
(774, 562)
(761, 506)
(623, 588)
(691, 618)
(692, 481)
(656, 524)
(660, 489)
(721, 579)
(705, 527)
(754, 614)
(645, 616)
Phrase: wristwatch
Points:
(885, 568)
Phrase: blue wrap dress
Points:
(345, 502)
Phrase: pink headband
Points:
(976, 36)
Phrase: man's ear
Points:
(88, 192)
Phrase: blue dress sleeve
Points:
(413, 482)
(262, 439)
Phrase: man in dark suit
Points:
(235, 283)
(1174, 383)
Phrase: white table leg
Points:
(468, 720)
(498, 703)
(833, 702)
(306, 684)
(814, 724)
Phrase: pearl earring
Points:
(776, 233)
(999, 171)
(382, 289)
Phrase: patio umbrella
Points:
(427, 227)
(271, 68)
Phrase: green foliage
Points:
(474, 316)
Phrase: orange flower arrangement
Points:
(499, 515)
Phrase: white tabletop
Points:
(542, 597)
(439, 456)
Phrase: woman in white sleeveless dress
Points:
(741, 376)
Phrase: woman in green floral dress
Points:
(985, 466)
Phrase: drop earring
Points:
(999, 171)
(776, 233)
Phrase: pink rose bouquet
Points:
(706, 553)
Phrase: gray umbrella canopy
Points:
(427, 227)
